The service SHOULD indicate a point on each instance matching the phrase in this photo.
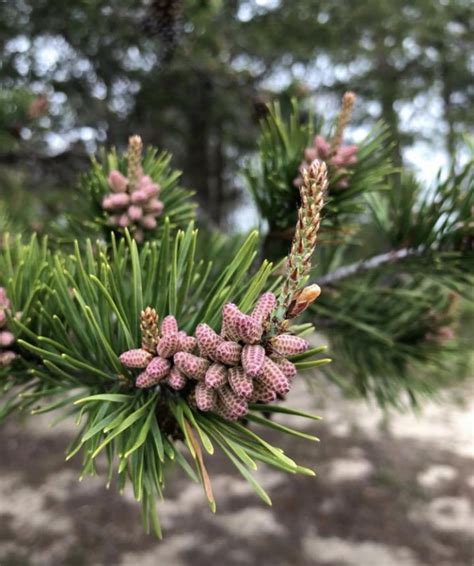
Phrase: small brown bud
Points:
(303, 300)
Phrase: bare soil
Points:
(392, 491)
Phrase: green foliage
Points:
(87, 217)
(24, 274)
(201, 101)
(436, 223)
(388, 315)
(91, 314)
(280, 151)
(392, 340)
(370, 175)
(384, 290)
(14, 106)
(387, 303)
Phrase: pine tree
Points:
(165, 345)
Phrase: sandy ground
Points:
(395, 492)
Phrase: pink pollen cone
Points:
(158, 368)
(139, 197)
(116, 200)
(176, 380)
(208, 340)
(150, 190)
(253, 357)
(216, 376)
(168, 345)
(273, 377)
(192, 366)
(135, 212)
(148, 222)
(6, 338)
(137, 358)
(168, 325)
(289, 345)
(117, 182)
(154, 207)
(123, 221)
(240, 383)
(205, 397)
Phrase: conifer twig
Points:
(304, 241)
(360, 267)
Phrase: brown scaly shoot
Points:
(343, 118)
(134, 169)
(294, 298)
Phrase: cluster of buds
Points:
(6, 337)
(339, 158)
(133, 201)
(223, 373)
(161, 347)
(248, 363)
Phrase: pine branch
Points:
(392, 340)
(144, 379)
(128, 191)
(363, 266)
(390, 318)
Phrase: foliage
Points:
(439, 221)
(400, 348)
(391, 315)
(91, 314)
(14, 113)
(24, 274)
(112, 75)
(391, 254)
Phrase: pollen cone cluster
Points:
(247, 366)
(343, 158)
(133, 200)
(160, 346)
(6, 337)
(222, 372)
(338, 157)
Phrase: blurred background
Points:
(194, 77)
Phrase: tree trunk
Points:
(218, 199)
(197, 157)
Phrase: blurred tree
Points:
(192, 76)
(392, 53)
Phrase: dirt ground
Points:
(396, 492)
